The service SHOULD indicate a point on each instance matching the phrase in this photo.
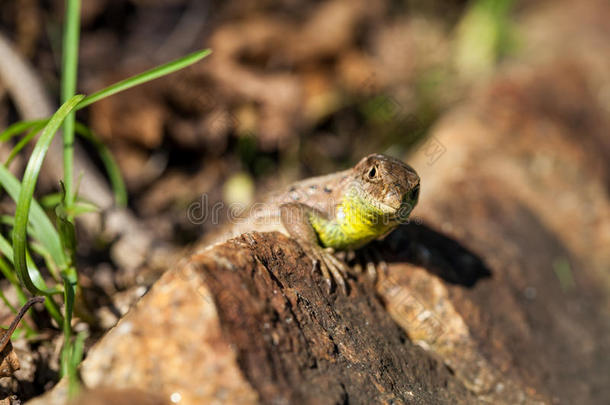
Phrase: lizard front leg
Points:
(296, 219)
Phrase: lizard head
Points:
(389, 184)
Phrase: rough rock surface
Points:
(245, 322)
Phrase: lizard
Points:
(340, 211)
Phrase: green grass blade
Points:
(49, 201)
(23, 142)
(123, 85)
(49, 303)
(7, 303)
(33, 271)
(69, 73)
(7, 220)
(9, 274)
(10, 221)
(66, 354)
(41, 227)
(81, 207)
(65, 228)
(42, 251)
(112, 168)
(20, 127)
(27, 191)
(36, 277)
(67, 234)
(79, 346)
(144, 77)
(76, 355)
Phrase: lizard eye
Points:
(372, 172)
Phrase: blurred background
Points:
(293, 89)
(514, 94)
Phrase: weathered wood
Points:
(246, 321)
(297, 344)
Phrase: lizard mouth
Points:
(402, 214)
(407, 204)
(400, 210)
(394, 214)
(393, 210)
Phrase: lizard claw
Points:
(369, 259)
(318, 261)
(332, 269)
(337, 269)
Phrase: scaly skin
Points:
(339, 211)
(379, 194)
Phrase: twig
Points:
(9, 332)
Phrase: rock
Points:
(246, 322)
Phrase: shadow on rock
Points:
(441, 255)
